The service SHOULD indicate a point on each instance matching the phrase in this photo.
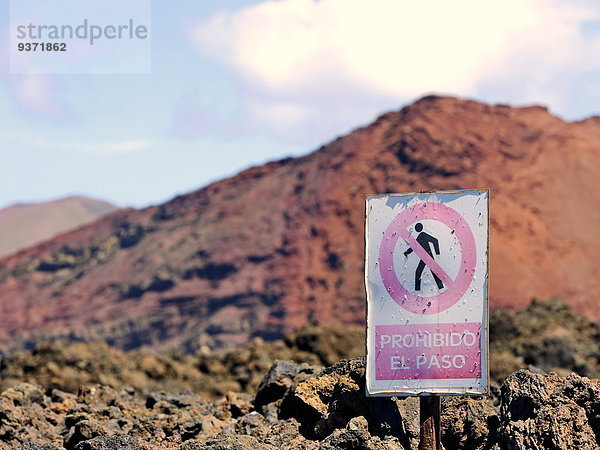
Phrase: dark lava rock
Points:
(180, 400)
(275, 384)
(348, 439)
(111, 443)
(33, 446)
(336, 395)
(408, 408)
(24, 394)
(331, 343)
(25, 421)
(547, 411)
(356, 436)
(549, 335)
(253, 424)
(286, 434)
(228, 442)
(469, 423)
(240, 404)
(204, 424)
(283, 377)
(83, 431)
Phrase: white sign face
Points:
(426, 273)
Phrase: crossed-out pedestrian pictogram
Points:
(451, 289)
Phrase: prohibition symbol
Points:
(451, 289)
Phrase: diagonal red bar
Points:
(428, 260)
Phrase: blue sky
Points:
(238, 83)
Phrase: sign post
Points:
(426, 275)
(430, 428)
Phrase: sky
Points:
(236, 83)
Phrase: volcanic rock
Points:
(549, 335)
(66, 367)
(547, 411)
(469, 423)
(277, 382)
(323, 410)
(336, 395)
(111, 443)
(228, 442)
(280, 245)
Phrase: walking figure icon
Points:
(426, 241)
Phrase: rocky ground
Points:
(295, 393)
(299, 406)
(549, 335)
(67, 367)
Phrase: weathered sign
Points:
(426, 274)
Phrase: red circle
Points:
(399, 226)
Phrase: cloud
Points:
(117, 147)
(192, 120)
(41, 96)
(97, 148)
(284, 115)
(296, 57)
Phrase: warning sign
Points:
(426, 276)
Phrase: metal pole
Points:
(430, 438)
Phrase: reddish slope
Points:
(25, 224)
(280, 244)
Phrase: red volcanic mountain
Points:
(25, 224)
(282, 244)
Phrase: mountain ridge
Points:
(26, 224)
(277, 245)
